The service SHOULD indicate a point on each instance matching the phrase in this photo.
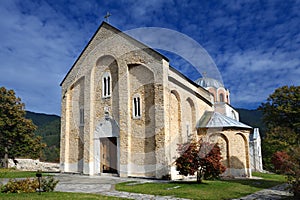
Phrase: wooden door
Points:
(108, 149)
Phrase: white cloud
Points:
(254, 75)
(38, 46)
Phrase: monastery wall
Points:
(24, 164)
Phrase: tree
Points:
(277, 139)
(281, 114)
(280, 160)
(283, 109)
(290, 166)
(202, 158)
(17, 137)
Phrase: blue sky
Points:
(255, 44)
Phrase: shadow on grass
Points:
(261, 183)
(188, 182)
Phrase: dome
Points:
(209, 82)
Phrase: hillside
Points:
(40, 119)
(252, 118)
(49, 130)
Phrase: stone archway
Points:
(175, 124)
(240, 156)
(223, 143)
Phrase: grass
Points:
(219, 189)
(13, 173)
(54, 196)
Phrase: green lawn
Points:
(222, 189)
(54, 196)
(12, 173)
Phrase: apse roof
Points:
(212, 119)
(209, 82)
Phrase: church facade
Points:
(125, 110)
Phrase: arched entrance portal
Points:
(106, 147)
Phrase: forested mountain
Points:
(40, 119)
(49, 129)
(252, 118)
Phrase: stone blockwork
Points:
(33, 165)
(234, 144)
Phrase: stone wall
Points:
(33, 165)
(234, 144)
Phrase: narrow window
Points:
(81, 117)
(136, 106)
(104, 82)
(139, 106)
(221, 97)
(106, 85)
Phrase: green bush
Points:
(19, 186)
(48, 184)
(29, 185)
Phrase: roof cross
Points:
(107, 16)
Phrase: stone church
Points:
(125, 110)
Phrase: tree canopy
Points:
(283, 108)
(281, 114)
(17, 137)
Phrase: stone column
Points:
(125, 120)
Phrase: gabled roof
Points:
(117, 31)
(212, 119)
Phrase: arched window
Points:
(136, 107)
(221, 97)
(106, 85)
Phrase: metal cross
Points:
(107, 16)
